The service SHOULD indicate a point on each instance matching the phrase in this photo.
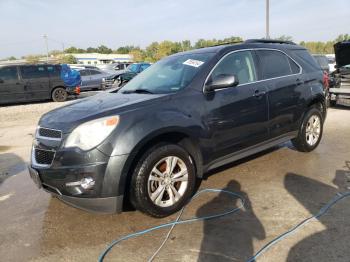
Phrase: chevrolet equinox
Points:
(191, 112)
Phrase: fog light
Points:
(86, 183)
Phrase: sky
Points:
(84, 23)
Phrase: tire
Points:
(332, 103)
(59, 94)
(160, 186)
(307, 142)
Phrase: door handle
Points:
(258, 93)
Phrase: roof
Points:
(251, 43)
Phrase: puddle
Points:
(5, 148)
(10, 165)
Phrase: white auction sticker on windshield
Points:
(194, 63)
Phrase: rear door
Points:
(96, 78)
(11, 88)
(36, 82)
(86, 82)
(282, 76)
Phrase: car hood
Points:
(68, 117)
(342, 53)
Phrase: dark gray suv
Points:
(185, 115)
(26, 83)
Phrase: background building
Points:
(98, 59)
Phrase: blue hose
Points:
(177, 221)
(323, 210)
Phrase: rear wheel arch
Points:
(54, 89)
(320, 103)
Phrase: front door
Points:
(237, 116)
(11, 88)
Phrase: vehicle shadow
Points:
(342, 106)
(229, 238)
(10, 165)
(331, 244)
(246, 159)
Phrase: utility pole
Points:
(267, 19)
(47, 48)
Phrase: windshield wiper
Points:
(138, 91)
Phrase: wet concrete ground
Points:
(282, 187)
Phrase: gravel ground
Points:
(281, 186)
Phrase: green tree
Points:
(102, 49)
(67, 59)
(91, 50)
(138, 55)
(32, 59)
(342, 37)
(124, 49)
(11, 58)
(284, 38)
(74, 50)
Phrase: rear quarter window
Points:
(307, 62)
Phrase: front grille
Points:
(44, 157)
(51, 133)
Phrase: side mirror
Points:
(1, 81)
(221, 81)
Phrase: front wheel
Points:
(59, 94)
(310, 132)
(163, 181)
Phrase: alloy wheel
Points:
(168, 181)
(313, 130)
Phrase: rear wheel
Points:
(310, 132)
(163, 181)
(59, 94)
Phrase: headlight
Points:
(92, 133)
(103, 79)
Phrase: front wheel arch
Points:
(184, 140)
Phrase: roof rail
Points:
(224, 43)
(269, 41)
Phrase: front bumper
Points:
(104, 205)
(62, 176)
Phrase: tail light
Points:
(325, 80)
(77, 90)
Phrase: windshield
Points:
(132, 68)
(168, 75)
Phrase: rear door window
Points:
(274, 64)
(31, 72)
(8, 74)
(53, 70)
(84, 72)
(95, 72)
